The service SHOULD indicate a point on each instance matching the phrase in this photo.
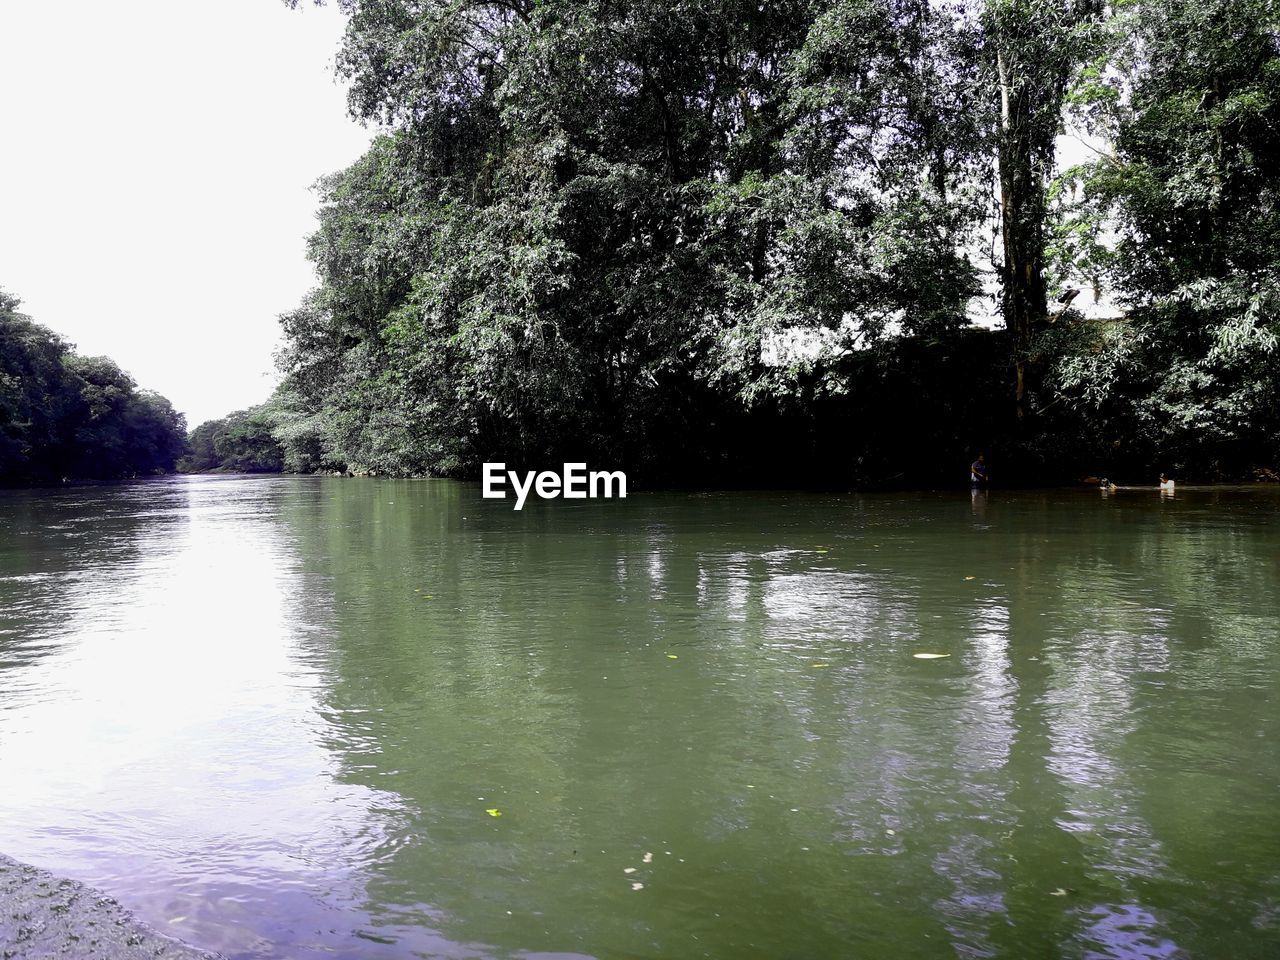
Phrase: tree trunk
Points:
(1025, 305)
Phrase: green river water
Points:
(275, 716)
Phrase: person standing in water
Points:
(1166, 483)
(978, 474)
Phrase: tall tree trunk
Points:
(1024, 302)
(1037, 45)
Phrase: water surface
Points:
(273, 716)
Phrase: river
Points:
(357, 718)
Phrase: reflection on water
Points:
(271, 716)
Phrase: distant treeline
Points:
(734, 242)
(240, 442)
(67, 417)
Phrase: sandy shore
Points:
(44, 916)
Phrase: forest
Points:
(745, 243)
(68, 417)
(716, 240)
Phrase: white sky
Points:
(156, 158)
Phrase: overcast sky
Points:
(156, 159)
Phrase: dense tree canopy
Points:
(68, 417)
(586, 220)
(1188, 93)
(240, 442)
(648, 232)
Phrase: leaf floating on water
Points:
(930, 656)
(629, 870)
(648, 858)
(637, 885)
(820, 550)
(494, 812)
(672, 656)
(1058, 893)
(968, 578)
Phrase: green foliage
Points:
(67, 417)
(654, 233)
(587, 220)
(1191, 193)
(241, 442)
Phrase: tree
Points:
(37, 397)
(241, 442)
(63, 416)
(649, 233)
(589, 220)
(1190, 100)
(1037, 46)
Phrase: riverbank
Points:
(43, 916)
